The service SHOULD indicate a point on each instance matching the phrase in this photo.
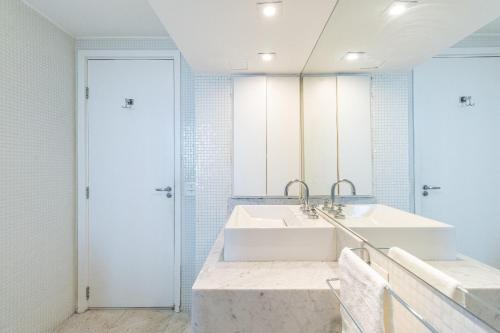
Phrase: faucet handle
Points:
(326, 204)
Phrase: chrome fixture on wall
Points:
(129, 103)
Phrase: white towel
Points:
(433, 276)
(363, 292)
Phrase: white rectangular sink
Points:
(385, 227)
(277, 233)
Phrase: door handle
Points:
(163, 189)
(428, 187)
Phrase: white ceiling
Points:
(102, 18)
(224, 35)
(398, 43)
(220, 35)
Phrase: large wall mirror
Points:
(443, 144)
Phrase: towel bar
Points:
(389, 290)
(329, 282)
(393, 294)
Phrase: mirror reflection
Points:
(429, 142)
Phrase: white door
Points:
(131, 169)
(456, 149)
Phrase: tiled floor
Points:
(126, 321)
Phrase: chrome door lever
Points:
(428, 187)
(163, 189)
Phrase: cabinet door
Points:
(283, 133)
(354, 133)
(249, 138)
(320, 133)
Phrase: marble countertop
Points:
(218, 274)
(471, 273)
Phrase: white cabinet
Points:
(335, 136)
(283, 133)
(354, 133)
(249, 137)
(266, 134)
(337, 132)
(320, 133)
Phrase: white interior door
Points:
(456, 150)
(131, 154)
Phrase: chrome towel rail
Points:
(330, 284)
(391, 292)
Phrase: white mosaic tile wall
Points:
(37, 172)
(188, 269)
(213, 104)
(391, 112)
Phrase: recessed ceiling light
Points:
(267, 57)
(352, 56)
(269, 9)
(400, 7)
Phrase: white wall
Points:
(37, 172)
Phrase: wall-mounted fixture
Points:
(267, 56)
(129, 103)
(269, 9)
(466, 101)
(400, 7)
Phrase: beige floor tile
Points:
(127, 321)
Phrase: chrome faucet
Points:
(337, 208)
(308, 209)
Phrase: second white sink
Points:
(385, 227)
(277, 233)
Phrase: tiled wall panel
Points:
(391, 112)
(188, 120)
(37, 172)
(213, 105)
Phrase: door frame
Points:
(83, 161)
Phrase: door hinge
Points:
(87, 192)
(87, 293)
(87, 92)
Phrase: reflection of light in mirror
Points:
(400, 7)
(269, 9)
(397, 8)
(353, 56)
(267, 57)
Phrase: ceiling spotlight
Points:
(269, 9)
(353, 56)
(400, 7)
(267, 57)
